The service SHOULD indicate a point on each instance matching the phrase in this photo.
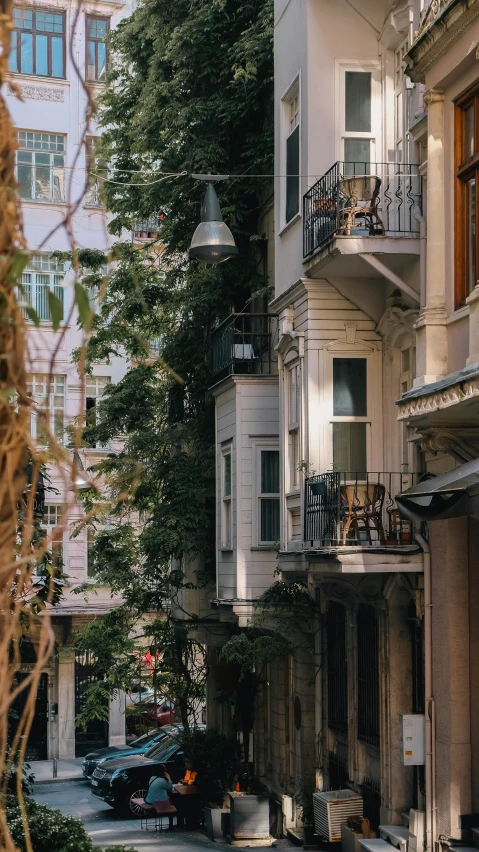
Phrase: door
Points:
(37, 739)
(96, 734)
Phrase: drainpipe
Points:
(429, 709)
(422, 252)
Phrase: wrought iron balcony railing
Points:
(244, 344)
(148, 229)
(356, 509)
(361, 199)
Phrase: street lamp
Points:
(212, 241)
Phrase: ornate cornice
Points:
(437, 440)
(37, 93)
(443, 23)
(438, 400)
(395, 322)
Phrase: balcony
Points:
(361, 200)
(147, 229)
(244, 344)
(358, 510)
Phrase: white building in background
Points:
(48, 41)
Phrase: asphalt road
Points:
(107, 829)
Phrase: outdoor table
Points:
(187, 800)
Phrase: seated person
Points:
(190, 774)
(159, 787)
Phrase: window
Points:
(96, 52)
(368, 675)
(48, 393)
(292, 117)
(466, 203)
(90, 572)
(38, 43)
(401, 117)
(94, 390)
(52, 521)
(40, 166)
(269, 497)
(406, 380)
(42, 276)
(349, 413)
(96, 174)
(359, 119)
(337, 667)
(294, 416)
(226, 499)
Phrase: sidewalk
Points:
(67, 770)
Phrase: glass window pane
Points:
(91, 67)
(270, 472)
(471, 233)
(469, 146)
(41, 300)
(26, 59)
(42, 182)
(13, 63)
(349, 448)
(227, 475)
(357, 156)
(358, 101)
(57, 57)
(41, 59)
(349, 387)
(292, 174)
(269, 521)
(24, 177)
(101, 60)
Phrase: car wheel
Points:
(134, 811)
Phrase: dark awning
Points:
(451, 495)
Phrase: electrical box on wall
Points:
(412, 739)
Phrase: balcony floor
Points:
(353, 560)
(342, 255)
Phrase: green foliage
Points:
(251, 653)
(50, 830)
(216, 759)
(28, 776)
(189, 91)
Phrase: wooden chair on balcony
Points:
(362, 511)
(361, 194)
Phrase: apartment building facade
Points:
(311, 452)
(57, 49)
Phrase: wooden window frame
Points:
(464, 170)
(49, 36)
(97, 41)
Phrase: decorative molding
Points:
(37, 93)
(438, 400)
(436, 8)
(433, 96)
(438, 440)
(395, 322)
(444, 22)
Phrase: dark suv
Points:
(119, 781)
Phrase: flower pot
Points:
(318, 489)
(249, 817)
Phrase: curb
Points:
(41, 781)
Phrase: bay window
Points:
(226, 499)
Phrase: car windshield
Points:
(163, 751)
(143, 740)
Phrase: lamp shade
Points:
(212, 241)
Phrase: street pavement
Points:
(107, 829)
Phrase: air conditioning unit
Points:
(331, 809)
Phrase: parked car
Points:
(138, 746)
(119, 781)
(163, 714)
(139, 693)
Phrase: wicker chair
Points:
(362, 509)
(361, 195)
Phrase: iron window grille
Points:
(40, 166)
(38, 43)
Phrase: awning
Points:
(451, 495)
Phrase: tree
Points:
(189, 91)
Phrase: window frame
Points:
(95, 181)
(33, 165)
(96, 41)
(291, 96)
(55, 531)
(33, 298)
(226, 522)
(50, 383)
(342, 134)
(100, 382)
(294, 423)
(18, 47)
(401, 140)
(465, 169)
(259, 495)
